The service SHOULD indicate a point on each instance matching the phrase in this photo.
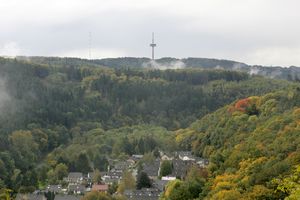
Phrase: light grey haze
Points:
(263, 32)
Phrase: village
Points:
(78, 184)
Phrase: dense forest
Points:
(253, 146)
(60, 115)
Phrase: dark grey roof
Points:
(121, 166)
(180, 167)
(75, 175)
(160, 184)
(115, 174)
(151, 168)
(143, 194)
(111, 180)
(67, 197)
(76, 187)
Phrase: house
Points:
(143, 194)
(167, 157)
(201, 162)
(76, 188)
(110, 181)
(180, 168)
(54, 188)
(100, 187)
(168, 178)
(121, 166)
(74, 177)
(114, 174)
(112, 177)
(185, 155)
(41, 196)
(152, 169)
(130, 162)
(136, 157)
(160, 184)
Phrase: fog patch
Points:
(254, 71)
(218, 67)
(238, 66)
(171, 65)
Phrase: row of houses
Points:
(79, 183)
(181, 162)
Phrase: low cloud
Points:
(171, 65)
(254, 71)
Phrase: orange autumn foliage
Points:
(242, 104)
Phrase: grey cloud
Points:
(255, 32)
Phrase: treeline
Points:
(252, 145)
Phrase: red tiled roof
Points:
(100, 187)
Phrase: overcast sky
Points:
(263, 32)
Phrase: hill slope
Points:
(49, 110)
(250, 143)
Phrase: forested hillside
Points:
(253, 147)
(69, 116)
(287, 73)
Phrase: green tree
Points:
(82, 163)
(165, 168)
(97, 177)
(290, 185)
(127, 182)
(61, 171)
(49, 195)
(5, 194)
(112, 188)
(94, 195)
(143, 181)
(24, 147)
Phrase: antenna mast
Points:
(152, 45)
(90, 45)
